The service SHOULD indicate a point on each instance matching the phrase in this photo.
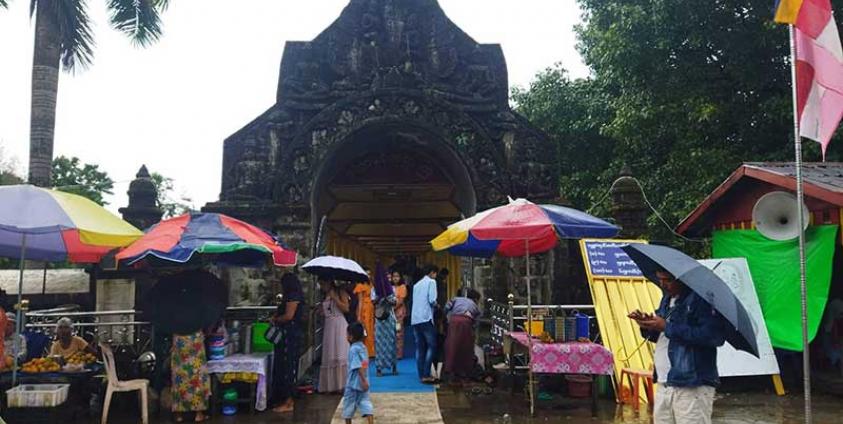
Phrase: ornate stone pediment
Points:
(401, 72)
(393, 44)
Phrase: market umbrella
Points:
(517, 229)
(185, 302)
(336, 268)
(704, 282)
(211, 237)
(48, 225)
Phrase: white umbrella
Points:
(336, 268)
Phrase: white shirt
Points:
(661, 358)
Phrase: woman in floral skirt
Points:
(191, 384)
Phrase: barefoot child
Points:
(356, 397)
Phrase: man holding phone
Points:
(687, 331)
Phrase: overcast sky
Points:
(170, 106)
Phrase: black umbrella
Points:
(186, 302)
(704, 282)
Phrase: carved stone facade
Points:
(390, 65)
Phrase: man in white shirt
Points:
(421, 318)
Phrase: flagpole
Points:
(800, 197)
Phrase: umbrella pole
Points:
(529, 332)
(19, 312)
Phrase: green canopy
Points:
(775, 271)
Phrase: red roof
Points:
(822, 180)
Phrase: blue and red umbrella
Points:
(224, 239)
(518, 228)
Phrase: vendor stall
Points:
(581, 358)
(254, 368)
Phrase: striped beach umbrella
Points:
(52, 226)
(519, 228)
(223, 239)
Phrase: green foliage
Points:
(170, 206)
(9, 170)
(139, 20)
(682, 92)
(573, 113)
(72, 176)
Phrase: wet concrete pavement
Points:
(458, 407)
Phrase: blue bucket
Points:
(582, 325)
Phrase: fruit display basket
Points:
(37, 395)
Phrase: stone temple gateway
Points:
(389, 125)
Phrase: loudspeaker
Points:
(776, 216)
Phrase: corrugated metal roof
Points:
(828, 175)
(822, 180)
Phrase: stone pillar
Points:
(628, 206)
(143, 210)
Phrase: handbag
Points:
(383, 309)
(274, 335)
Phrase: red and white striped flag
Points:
(819, 67)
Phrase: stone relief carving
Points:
(388, 61)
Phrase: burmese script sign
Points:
(606, 259)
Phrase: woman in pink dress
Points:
(332, 373)
(400, 310)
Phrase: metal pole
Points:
(44, 280)
(800, 195)
(529, 332)
(19, 312)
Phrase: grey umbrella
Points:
(704, 282)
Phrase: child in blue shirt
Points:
(356, 396)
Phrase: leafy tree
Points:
(169, 205)
(8, 170)
(72, 176)
(573, 113)
(686, 91)
(64, 40)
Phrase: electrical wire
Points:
(649, 205)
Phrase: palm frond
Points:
(74, 29)
(138, 19)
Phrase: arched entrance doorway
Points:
(388, 189)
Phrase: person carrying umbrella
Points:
(687, 331)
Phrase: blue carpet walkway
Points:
(407, 380)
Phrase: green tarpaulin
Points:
(775, 271)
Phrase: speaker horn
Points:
(776, 216)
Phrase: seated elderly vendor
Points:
(15, 343)
(66, 343)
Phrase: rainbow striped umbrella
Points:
(519, 228)
(49, 225)
(227, 241)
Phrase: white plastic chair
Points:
(115, 385)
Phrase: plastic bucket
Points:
(259, 343)
(579, 386)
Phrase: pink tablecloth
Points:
(567, 358)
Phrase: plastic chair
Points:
(115, 385)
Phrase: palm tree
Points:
(63, 40)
